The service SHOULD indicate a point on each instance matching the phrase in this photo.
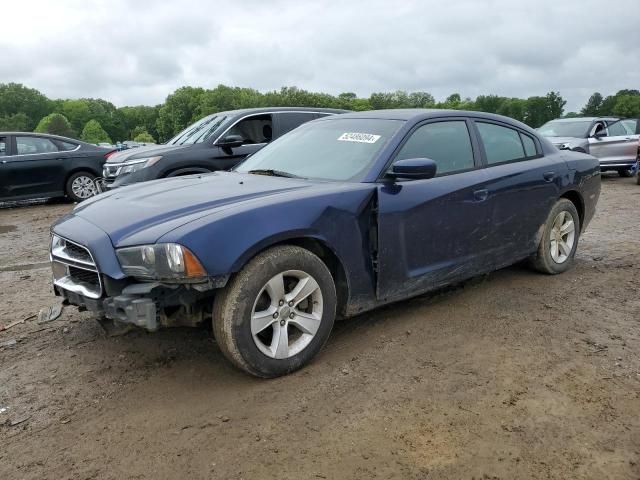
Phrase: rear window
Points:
(501, 144)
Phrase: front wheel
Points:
(80, 186)
(276, 314)
(559, 240)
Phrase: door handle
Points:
(549, 176)
(481, 195)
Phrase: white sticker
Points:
(359, 137)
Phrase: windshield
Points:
(336, 149)
(557, 128)
(199, 131)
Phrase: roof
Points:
(418, 114)
(246, 111)
(44, 135)
(584, 119)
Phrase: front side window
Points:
(501, 144)
(31, 145)
(446, 143)
(255, 129)
(337, 149)
(618, 129)
(3, 146)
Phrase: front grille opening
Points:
(75, 251)
(84, 276)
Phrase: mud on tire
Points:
(247, 298)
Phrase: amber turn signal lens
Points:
(192, 266)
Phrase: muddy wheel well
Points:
(576, 199)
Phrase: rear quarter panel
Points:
(584, 177)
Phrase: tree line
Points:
(97, 120)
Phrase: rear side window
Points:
(446, 143)
(3, 146)
(501, 144)
(65, 146)
(529, 145)
(30, 145)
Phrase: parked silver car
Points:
(613, 141)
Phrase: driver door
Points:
(434, 232)
(256, 132)
(617, 145)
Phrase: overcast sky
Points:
(138, 51)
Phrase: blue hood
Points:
(142, 213)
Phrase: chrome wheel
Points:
(287, 314)
(562, 237)
(83, 187)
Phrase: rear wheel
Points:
(276, 314)
(80, 186)
(559, 240)
(625, 172)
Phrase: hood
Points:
(143, 212)
(143, 152)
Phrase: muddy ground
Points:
(513, 375)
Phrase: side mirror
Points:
(414, 168)
(231, 141)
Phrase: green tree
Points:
(77, 112)
(55, 124)
(18, 122)
(144, 137)
(593, 106)
(94, 133)
(18, 99)
(179, 110)
(627, 106)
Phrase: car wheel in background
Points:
(80, 186)
(625, 172)
(559, 240)
(275, 315)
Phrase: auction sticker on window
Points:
(359, 137)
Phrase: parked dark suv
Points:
(216, 142)
(36, 165)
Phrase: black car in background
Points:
(36, 165)
(216, 142)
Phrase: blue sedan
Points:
(339, 216)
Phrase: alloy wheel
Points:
(83, 187)
(562, 237)
(286, 314)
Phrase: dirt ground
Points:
(513, 375)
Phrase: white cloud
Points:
(136, 52)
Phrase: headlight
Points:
(138, 164)
(167, 262)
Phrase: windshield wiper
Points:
(274, 173)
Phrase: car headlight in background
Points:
(138, 164)
(167, 262)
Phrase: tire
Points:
(241, 332)
(638, 178)
(625, 172)
(77, 187)
(546, 260)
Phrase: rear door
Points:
(35, 168)
(433, 232)
(619, 145)
(523, 185)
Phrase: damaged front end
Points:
(181, 297)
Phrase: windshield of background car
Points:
(555, 128)
(336, 149)
(199, 131)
